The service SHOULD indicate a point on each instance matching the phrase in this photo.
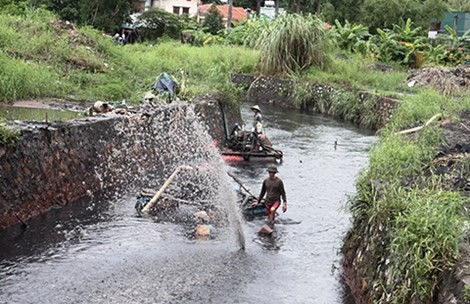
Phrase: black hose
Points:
(224, 119)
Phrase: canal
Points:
(99, 251)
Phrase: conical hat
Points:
(256, 108)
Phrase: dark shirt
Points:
(274, 190)
(256, 119)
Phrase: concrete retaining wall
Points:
(262, 89)
(59, 163)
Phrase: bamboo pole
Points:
(466, 128)
(182, 201)
(159, 193)
(241, 184)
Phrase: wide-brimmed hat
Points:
(256, 108)
(272, 169)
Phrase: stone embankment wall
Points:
(263, 89)
(59, 163)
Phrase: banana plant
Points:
(403, 44)
(457, 48)
(387, 47)
(367, 48)
(348, 35)
(411, 42)
(436, 54)
(406, 33)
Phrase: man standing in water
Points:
(273, 187)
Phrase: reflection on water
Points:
(41, 115)
(268, 242)
(99, 251)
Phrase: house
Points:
(190, 7)
(238, 13)
(269, 10)
(458, 21)
(179, 7)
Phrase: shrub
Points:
(156, 23)
(293, 43)
(213, 20)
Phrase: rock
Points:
(265, 229)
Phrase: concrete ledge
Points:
(59, 163)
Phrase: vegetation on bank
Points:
(8, 137)
(416, 225)
(42, 57)
(45, 57)
(419, 224)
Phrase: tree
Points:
(384, 13)
(12, 6)
(245, 3)
(107, 15)
(67, 10)
(258, 7)
(213, 20)
(156, 23)
(459, 5)
(431, 10)
(300, 6)
(342, 10)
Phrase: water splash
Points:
(219, 186)
(167, 138)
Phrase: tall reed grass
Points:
(293, 43)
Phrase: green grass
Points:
(22, 79)
(8, 137)
(42, 57)
(421, 107)
(358, 73)
(416, 225)
(203, 69)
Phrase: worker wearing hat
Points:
(273, 188)
(257, 119)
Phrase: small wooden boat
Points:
(244, 145)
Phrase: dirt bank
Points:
(452, 164)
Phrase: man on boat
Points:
(262, 141)
(257, 120)
(273, 188)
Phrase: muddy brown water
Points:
(99, 251)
